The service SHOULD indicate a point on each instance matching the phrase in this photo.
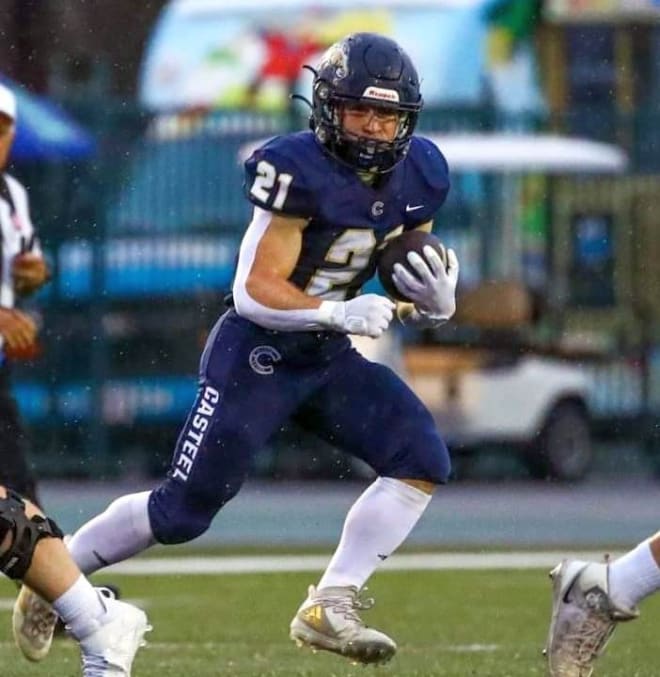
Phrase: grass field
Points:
(447, 624)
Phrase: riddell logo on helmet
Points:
(381, 94)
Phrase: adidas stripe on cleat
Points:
(328, 620)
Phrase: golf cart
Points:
(504, 373)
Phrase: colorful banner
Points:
(214, 55)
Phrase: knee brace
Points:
(25, 532)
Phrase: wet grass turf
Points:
(447, 624)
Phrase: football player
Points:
(325, 201)
(31, 550)
(590, 598)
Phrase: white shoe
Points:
(584, 616)
(328, 620)
(110, 649)
(33, 623)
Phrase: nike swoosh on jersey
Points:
(412, 209)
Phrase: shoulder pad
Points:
(279, 176)
(432, 174)
(431, 163)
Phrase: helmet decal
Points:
(335, 57)
(381, 94)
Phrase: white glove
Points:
(366, 315)
(433, 290)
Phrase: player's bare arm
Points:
(275, 257)
(262, 293)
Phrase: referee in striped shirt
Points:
(23, 270)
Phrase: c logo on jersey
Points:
(262, 359)
(377, 208)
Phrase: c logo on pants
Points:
(262, 359)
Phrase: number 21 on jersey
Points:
(352, 250)
(265, 183)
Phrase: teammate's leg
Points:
(636, 575)
(365, 409)
(31, 550)
(591, 598)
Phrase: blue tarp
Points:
(44, 131)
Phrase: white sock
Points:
(80, 607)
(120, 532)
(634, 576)
(376, 525)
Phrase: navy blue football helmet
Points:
(373, 70)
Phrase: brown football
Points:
(397, 250)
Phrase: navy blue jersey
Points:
(350, 220)
(253, 380)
